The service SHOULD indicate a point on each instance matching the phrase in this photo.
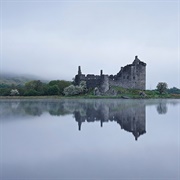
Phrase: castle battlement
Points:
(132, 76)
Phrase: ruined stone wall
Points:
(104, 83)
(132, 76)
(140, 77)
(92, 81)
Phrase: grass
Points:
(121, 93)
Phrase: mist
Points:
(51, 39)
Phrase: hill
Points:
(14, 79)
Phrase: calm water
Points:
(90, 139)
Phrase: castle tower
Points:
(79, 70)
(104, 83)
(101, 72)
(138, 74)
(136, 61)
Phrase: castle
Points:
(132, 76)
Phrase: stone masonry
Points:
(132, 76)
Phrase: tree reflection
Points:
(130, 115)
(162, 108)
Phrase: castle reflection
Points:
(130, 116)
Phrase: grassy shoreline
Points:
(121, 93)
(169, 96)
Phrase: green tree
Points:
(61, 85)
(35, 85)
(31, 92)
(174, 90)
(5, 91)
(53, 90)
(162, 87)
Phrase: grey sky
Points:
(52, 38)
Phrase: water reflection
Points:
(129, 114)
(162, 107)
(130, 117)
(41, 139)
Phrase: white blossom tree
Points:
(14, 92)
(75, 90)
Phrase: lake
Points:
(90, 139)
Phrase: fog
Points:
(50, 39)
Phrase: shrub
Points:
(14, 92)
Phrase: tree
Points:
(174, 90)
(72, 90)
(31, 92)
(14, 92)
(53, 90)
(83, 86)
(5, 91)
(75, 90)
(61, 85)
(35, 86)
(162, 87)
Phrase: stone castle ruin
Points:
(131, 76)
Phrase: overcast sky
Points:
(51, 39)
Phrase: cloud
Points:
(52, 39)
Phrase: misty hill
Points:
(14, 79)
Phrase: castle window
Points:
(133, 77)
(127, 77)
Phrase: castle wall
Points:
(104, 84)
(132, 76)
(92, 81)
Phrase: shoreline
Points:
(83, 97)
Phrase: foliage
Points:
(173, 90)
(36, 85)
(72, 90)
(34, 88)
(31, 92)
(53, 90)
(4, 85)
(75, 90)
(61, 87)
(162, 87)
(5, 91)
(61, 84)
(14, 92)
(83, 86)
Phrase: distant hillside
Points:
(9, 79)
